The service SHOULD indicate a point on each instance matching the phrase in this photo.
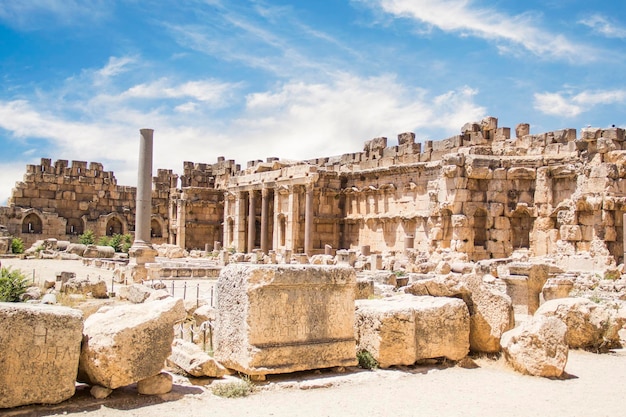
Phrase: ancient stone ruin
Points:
(417, 252)
(481, 193)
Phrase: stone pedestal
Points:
(284, 318)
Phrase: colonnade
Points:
(277, 228)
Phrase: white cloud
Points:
(555, 104)
(567, 104)
(466, 19)
(210, 91)
(12, 172)
(603, 26)
(116, 66)
(295, 120)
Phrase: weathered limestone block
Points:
(439, 286)
(364, 288)
(571, 233)
(97, 289)
(171, 251)
(76, 249)
(441, 328)
(125, 344)
(285, 318)
(589, 325)
(522, 129)
(491, 315)
(158, 384)
(401, 330)
(537, 347)
(192, 359)
(96, 251)
(39, 350)
(558, 287)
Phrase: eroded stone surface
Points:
(537, 347)
(193, 360)
(285, 318)
(402, 330)
(589, 325)
(39, 351)
(128, 343)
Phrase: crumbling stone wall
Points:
(482, 192)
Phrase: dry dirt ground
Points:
(593, 386)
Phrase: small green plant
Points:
(119, 243)
(235, 389)
(12, 285)
(17, 245)
(399, 273)
(366, 360)
(87, 238)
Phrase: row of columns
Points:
(250, 235)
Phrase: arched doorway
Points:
(114, 227)
(32, 224)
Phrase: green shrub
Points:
(235, 389)
(366, 360)
(12, 285)
(87, 238)
(120, 243)
(17, 245)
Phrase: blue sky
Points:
(253, 79)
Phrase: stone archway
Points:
(32, 224)
(114, 227)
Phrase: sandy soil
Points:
(593, 386)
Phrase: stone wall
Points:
(482, 192)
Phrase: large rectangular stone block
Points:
(404, 329)
(39, 351)
(284, 318)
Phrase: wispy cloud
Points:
(507, 31)
(209, 91)
(604, 26)
(567, 104)
(116, 66)
(35, 14)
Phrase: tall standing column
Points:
(142, 252)
(251, 220)
(308, 220)
(144, 188)
(264, 210)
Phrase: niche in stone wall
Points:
(32, 224)
(155, 228)
(521, 226)
(74, 227)
(480, 228)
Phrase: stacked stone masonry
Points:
(482, 192)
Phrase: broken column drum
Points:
(282, 318)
